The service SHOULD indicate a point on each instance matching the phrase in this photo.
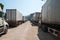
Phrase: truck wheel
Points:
(5, 29)
(44, 28)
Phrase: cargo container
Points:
(24, 19)
(51, 17)
(36, 17)
(13, 16)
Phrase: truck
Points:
(51, 17)
(3, 24)
(24, 19)
(14, 17)
(36, 17)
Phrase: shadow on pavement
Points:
(45, 35)
(34, 24)
(14, 26)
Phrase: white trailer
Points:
(13, 17)
(51, 17)
(36, 17)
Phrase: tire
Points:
(44, 28)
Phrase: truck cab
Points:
(3, 24)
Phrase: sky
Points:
(26, 7)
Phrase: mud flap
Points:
(44, 28)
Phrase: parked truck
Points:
(3, 24)
(13, 17)
(51, 17)
(24, 19)
(36, 17)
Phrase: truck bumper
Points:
(1, 30)
(59, 34)
(54, 32)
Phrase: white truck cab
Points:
(3, 24)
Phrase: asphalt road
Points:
(27, 31)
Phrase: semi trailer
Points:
(51, 17)
(24, 19)
(3, 24)
(14, 17)
(36, 17)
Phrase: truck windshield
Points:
(1, 13)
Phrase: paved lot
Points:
(22, 32)
(27, 31)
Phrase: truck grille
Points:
(1, 29)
